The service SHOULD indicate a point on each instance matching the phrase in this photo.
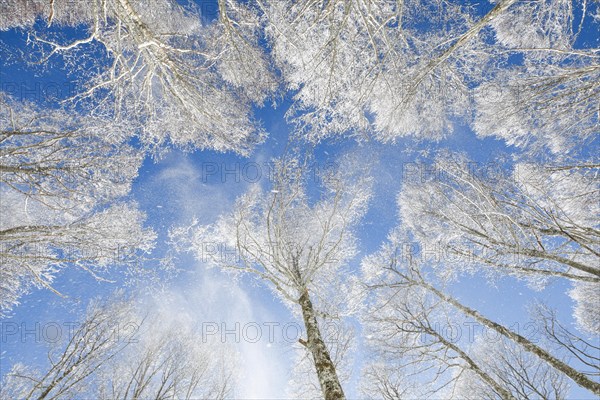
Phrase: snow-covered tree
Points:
(536, 223)
(384, 380)
(184, 82)
(548, 100)
(116, 351)
(585, 350)
(414, 332)
(419, 356)
(539, 222)
(522, 373)
(174, 364)
(296, 244)
(587, 297)
(392, 69)
(60, 158)
(545, 106)
(358, 65)
(392, 269)
(341, 343)
(63, 179)
(378, 68)
(162, 73)
(89, 346)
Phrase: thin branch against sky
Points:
(324, 147)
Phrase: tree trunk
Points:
(504, 393)
(328, 379)
(578, 377)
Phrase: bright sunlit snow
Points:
(334, 199)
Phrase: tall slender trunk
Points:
(504, 393)
(578, 377)
(328, 379)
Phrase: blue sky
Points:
(203, 184)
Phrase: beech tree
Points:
(521, 372)
(161, 73)
(552, 105)
(362, 67)
(576, 345)
(63, 184)
(382, 380)
(298, 245)
(340, 339)
(417, 355)
(549, 101)
(420, 351)
(118, 352)
(91, 344)
(538, 222)
(393, 270)
(392, 69)
(185, 83)
(405, 332)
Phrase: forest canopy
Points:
(413, 184)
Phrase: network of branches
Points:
(153, 75)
